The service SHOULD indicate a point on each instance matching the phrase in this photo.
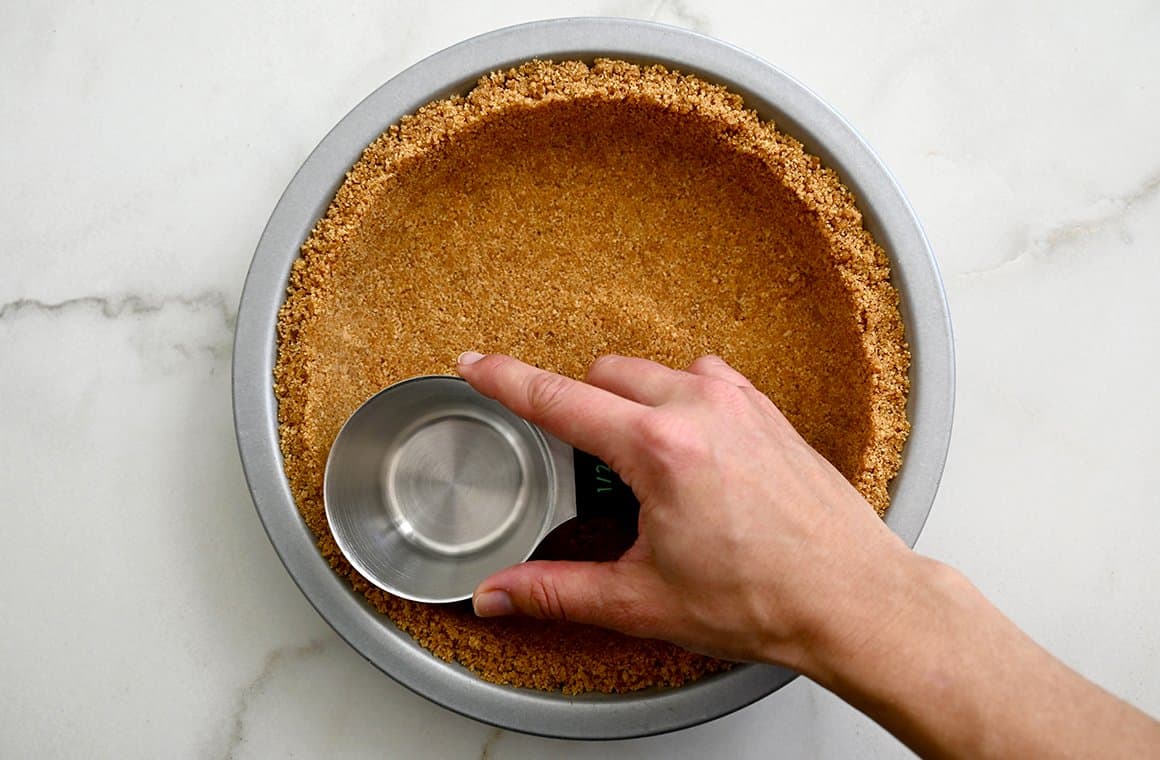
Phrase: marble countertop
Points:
(142, 147)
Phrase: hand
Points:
(750, 543)
(752, 547)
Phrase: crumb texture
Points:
(560, 211)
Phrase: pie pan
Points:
(774, 95)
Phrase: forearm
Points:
(944, 671)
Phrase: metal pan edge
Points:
(775, 95)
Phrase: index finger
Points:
(587, 417)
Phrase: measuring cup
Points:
(430, 487)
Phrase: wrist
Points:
(907, 653)
(917, 648)
(879, 604)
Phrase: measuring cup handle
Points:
(600, 492)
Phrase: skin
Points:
(753, 547)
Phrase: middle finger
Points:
(640, 380)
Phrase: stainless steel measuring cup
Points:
(430, 487)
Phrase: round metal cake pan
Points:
(774, 95)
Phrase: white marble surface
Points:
(142, 147)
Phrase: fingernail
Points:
(493, 604)
(468, 357)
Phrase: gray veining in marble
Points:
(276, 659)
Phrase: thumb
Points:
(595, 593)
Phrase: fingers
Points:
(638, 379)
(594, 593)
(653, 384)
(711, 365)
(582, 415)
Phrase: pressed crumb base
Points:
(560, 211)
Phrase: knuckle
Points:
(672, 439)
(544, 599)
(722, 393)
(495, 363)
(707, 361)
(545, 391)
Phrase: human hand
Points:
(751, 545)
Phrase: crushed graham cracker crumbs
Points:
(560, 211)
